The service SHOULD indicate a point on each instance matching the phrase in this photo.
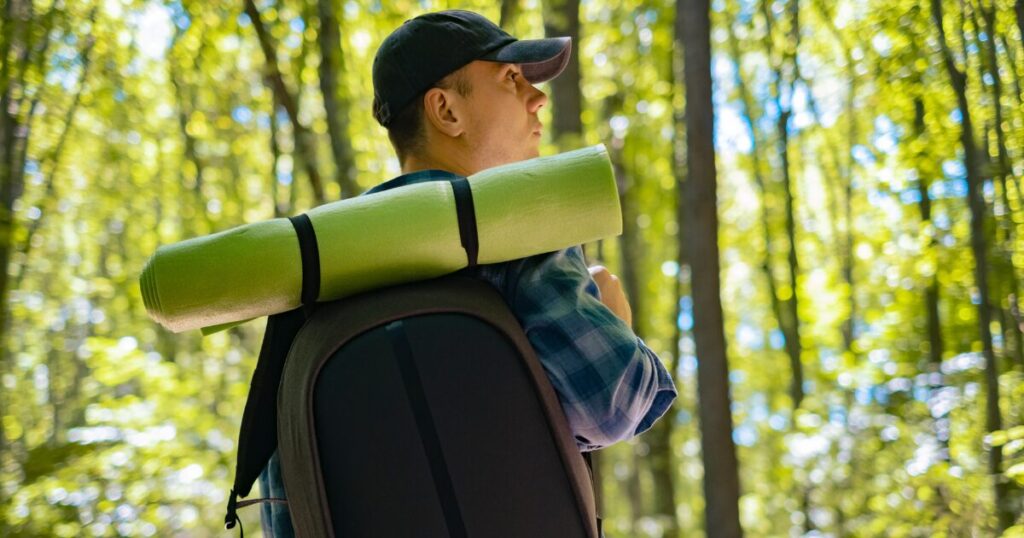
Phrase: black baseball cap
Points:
(427, 48)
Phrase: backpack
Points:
(414, 410)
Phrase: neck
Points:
(450, 159)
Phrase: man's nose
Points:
(535, 99)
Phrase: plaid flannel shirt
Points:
(611, 386)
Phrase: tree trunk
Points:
(562, 18)
(925, 206)
(275, 157)
(305, 143)
(721, 477)
(976, 201)
(1019, 9)
(784, 71)
(336, 103)
(630, 245)
(509, 13)
(17, 113)
(1002, 169)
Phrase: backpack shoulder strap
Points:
(257, 438)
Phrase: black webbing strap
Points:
(590, 469)
(467, 218)
(428, 433)
(310, 253)
(257, 438)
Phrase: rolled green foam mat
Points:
(390, 237)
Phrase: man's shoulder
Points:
(558, 272)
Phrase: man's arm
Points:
(611, 385)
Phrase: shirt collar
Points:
(418, 176)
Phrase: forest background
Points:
(861, 274)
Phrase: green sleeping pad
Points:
(372, 241)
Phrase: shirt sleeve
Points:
(610, 384)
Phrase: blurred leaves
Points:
(114, 426)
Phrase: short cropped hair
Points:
(406, 131)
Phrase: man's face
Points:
(501, 114)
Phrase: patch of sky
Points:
(263, 120)
(882, 44)
(910, 196)
(243, 20)
(886, 136)
(759, 82)
(732, 130)
(802, 116)
(646, 36)
(876, 197)
(745, 12)
(766, 123)
(988, 188)
(749, 336)
(744, 435)
(619, 125)
(297, 25)
(955, 115)
(689, 364)
(776, 339)
(778, 422)
(241, 114)
(134, 66)
(179, 15)
(956, 188)
(758, 406)
(837, 414)
(862, 155)
(723, 69)
(737, 376)
(60, 74)
(152, 30)
(828, 359)
(921, 393)
(685, 320)
(351, 8)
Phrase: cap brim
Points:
(540, 59)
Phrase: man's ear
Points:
(441, 108)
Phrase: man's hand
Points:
(611, 293)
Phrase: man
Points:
(456, 95)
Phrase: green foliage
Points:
(154, 123)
